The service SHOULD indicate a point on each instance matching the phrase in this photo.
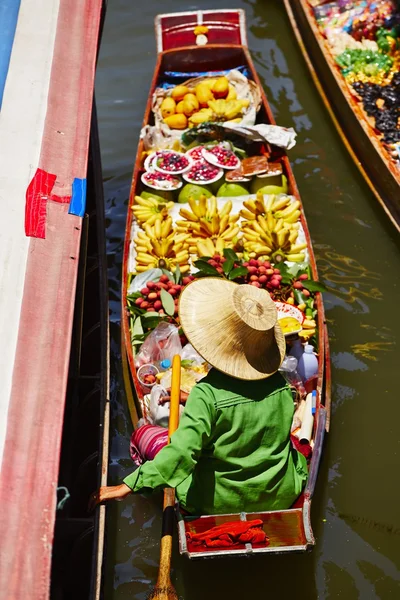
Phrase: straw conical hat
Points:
(233, 327)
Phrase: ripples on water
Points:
(355, 511)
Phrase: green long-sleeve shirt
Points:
(232, 449)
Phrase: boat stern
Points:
(286, 531)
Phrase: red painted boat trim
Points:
(176, 30)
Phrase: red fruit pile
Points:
(150, 299)
(263, 275)
(217, 261)
(298, 285)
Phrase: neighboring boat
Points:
(374, 159)
(53, 303)
(190, 44)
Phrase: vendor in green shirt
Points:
(232, 450)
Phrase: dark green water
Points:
(355, 513)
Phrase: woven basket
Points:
(253, 94)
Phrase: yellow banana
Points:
(212, 203)
(279, 203)
(202, 249)
(299, 257)
(226, 209)
(144, 258)
(195, 208)
(294, 217)
(220, 246)
(157, 229)
(246, 214)
(202, 205)
(187, 215)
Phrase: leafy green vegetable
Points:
(168, 302)
(177, 274)
(238, 272)
(206, 268)
(227, 265)
(314, 286)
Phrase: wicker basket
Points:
(246, 89)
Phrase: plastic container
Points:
(307, 365)
(297, 349)
(144, 371)
(163, 365)
(289, 371)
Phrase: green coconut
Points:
(160, 195)
(276, 184)
(228, 190)
(191, 190)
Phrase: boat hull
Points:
(370, 156)
(292, 528)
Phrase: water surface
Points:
(355, 512)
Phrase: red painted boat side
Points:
(36, 406)
(35, 417)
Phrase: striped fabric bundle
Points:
(146, 442)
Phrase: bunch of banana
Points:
(149, 210)
(160, 246)
(207, 222)
(268, 237)
(280, 206)
(208, 247)
(225, 110)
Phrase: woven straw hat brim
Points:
(233, 327)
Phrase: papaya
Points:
(220, 88)
(179, 92)
(190, 104)
(168, 106)
(204, 94)
(192, 99)
(177, 121)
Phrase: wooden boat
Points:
(225, 48)
(362, 140)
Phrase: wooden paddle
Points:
(164, 590)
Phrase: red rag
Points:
(231, 534)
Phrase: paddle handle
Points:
(175, 396)
(164, 580)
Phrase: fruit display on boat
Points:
(222, 157)
(364, 40)
(211, 229)
(203, 172)
(220, 208)
(211, 99)
(159, 246)
(161, 181)
(168, 161)
(148, 210)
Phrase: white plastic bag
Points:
(159, 413)
(163, 342)
(189, 353)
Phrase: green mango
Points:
(191, 190)
(159, 195)
(277, 184)
(228, 190)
